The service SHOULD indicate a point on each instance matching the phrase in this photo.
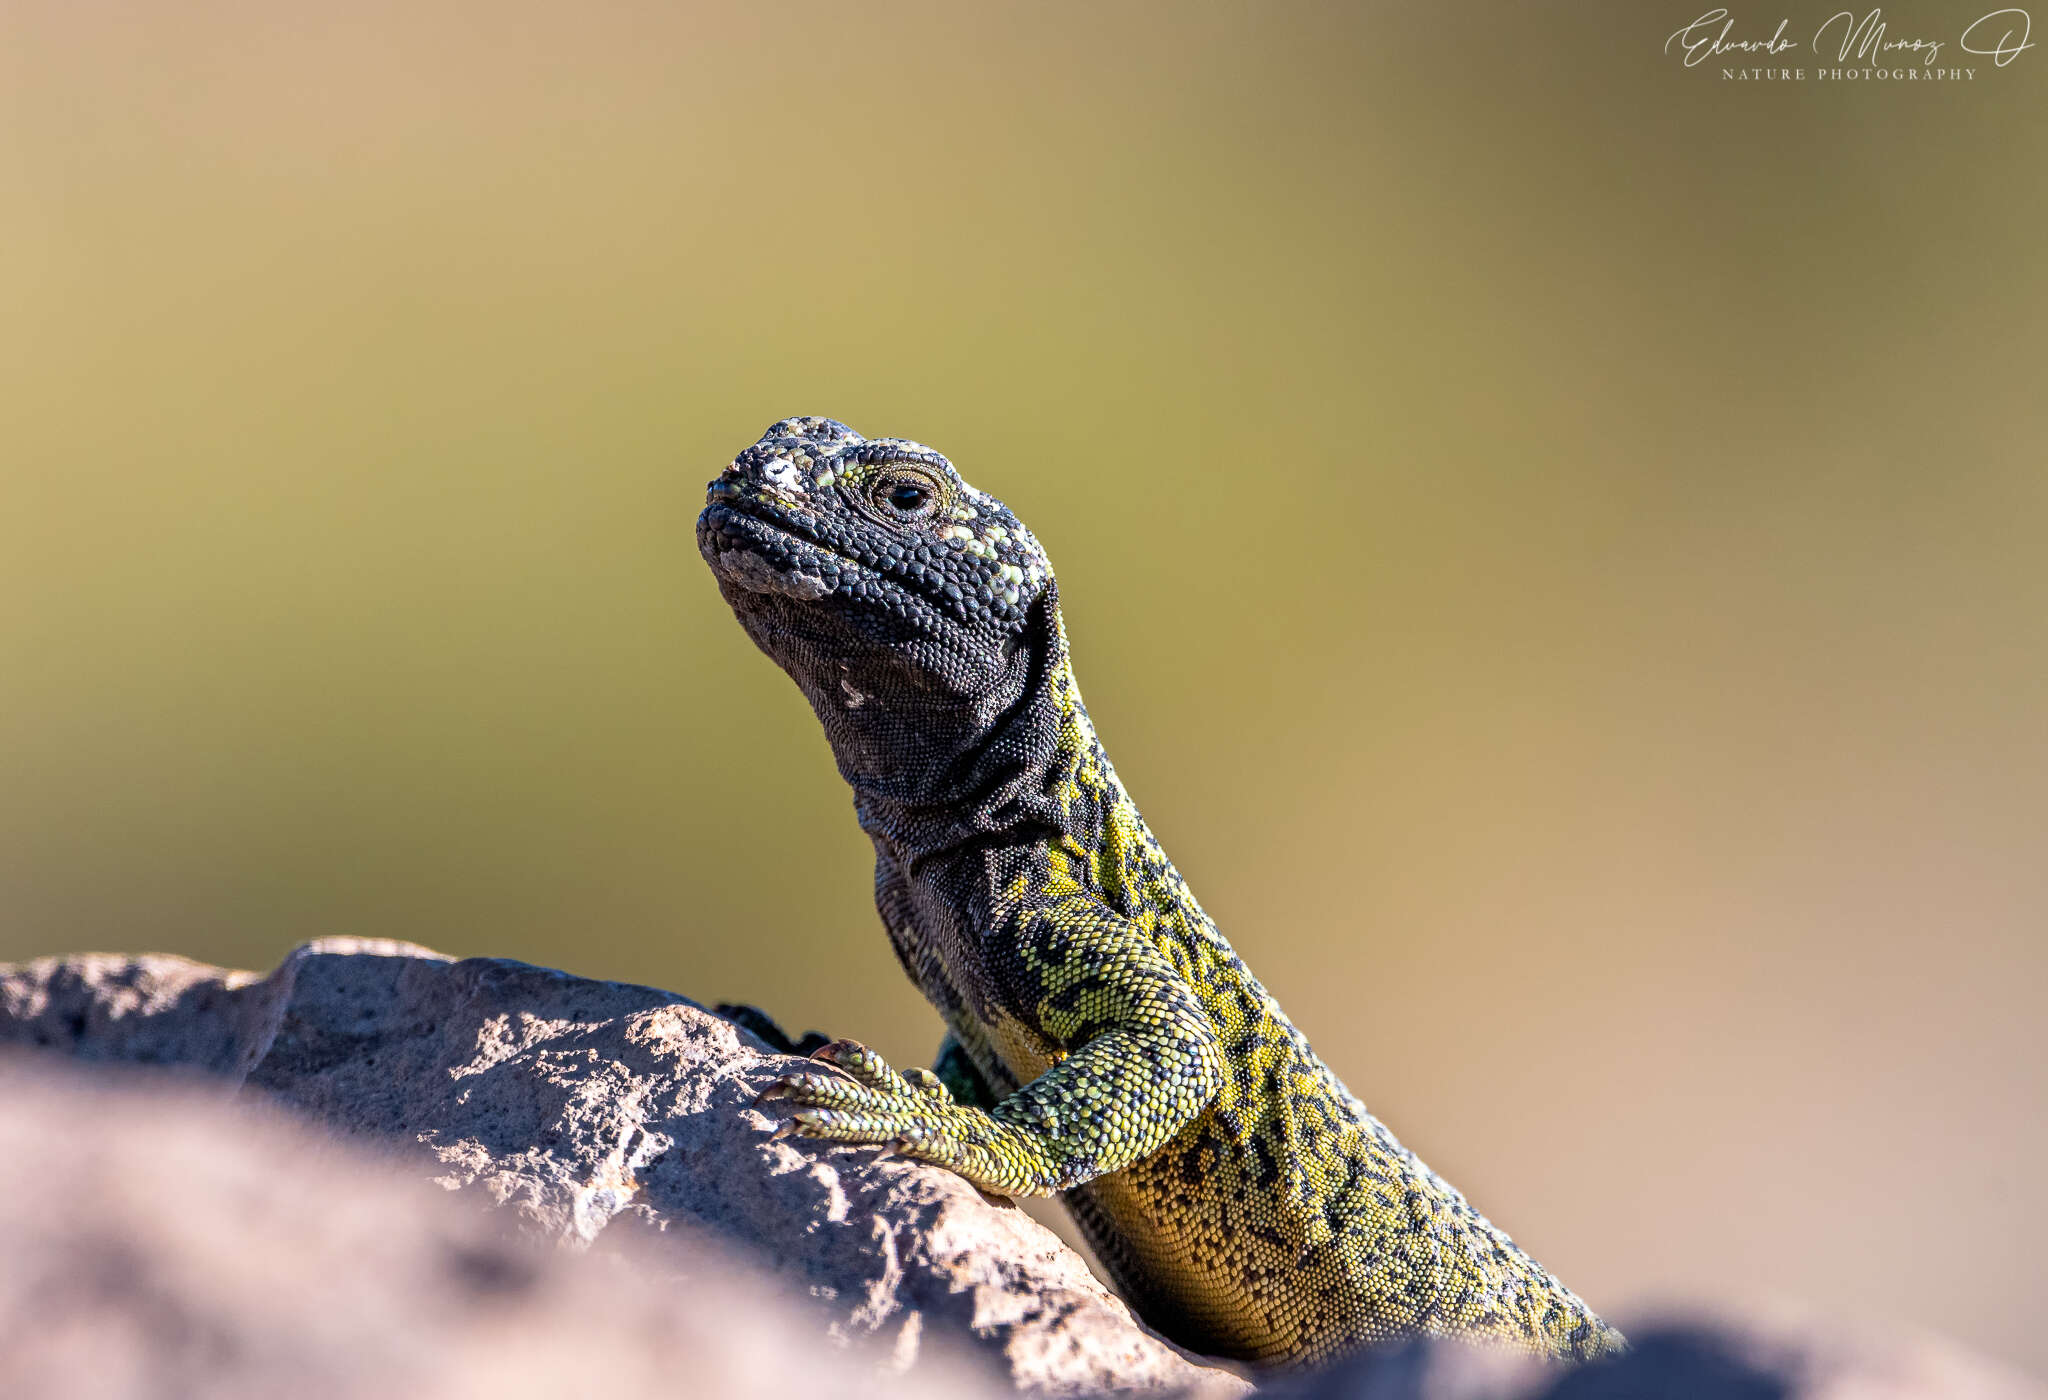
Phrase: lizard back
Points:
(1106, 1040)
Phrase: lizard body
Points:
(1105, 1042)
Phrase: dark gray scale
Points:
(838, 555)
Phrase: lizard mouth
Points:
(757, 546)
(762, 557)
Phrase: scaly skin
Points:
(1105, 1042)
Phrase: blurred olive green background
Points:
(1554, 541)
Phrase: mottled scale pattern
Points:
(1105, 1042)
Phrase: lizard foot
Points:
(862, 1101)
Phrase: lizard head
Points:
(859, 564)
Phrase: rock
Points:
(162, 1242)
(1724, 1358)
(188, 1240)
(593, 1111)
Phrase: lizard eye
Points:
(905, 494)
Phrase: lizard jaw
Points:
(752, 550)
(761, 559)
(754, 555)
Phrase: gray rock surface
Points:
(194, 1233)
(1730, 1357)
(158, 1242)
(593, 1111)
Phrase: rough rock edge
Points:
(603, 1113)
(590, 1109)
(163, 1242)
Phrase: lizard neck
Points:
(1005, 765)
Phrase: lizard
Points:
(1104, 1042)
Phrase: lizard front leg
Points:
(963, 1078)
(1140, 1061)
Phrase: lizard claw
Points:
(832, 1051)
(786, 1128)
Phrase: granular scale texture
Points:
(1105, 1042)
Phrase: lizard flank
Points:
(1105, 1042)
